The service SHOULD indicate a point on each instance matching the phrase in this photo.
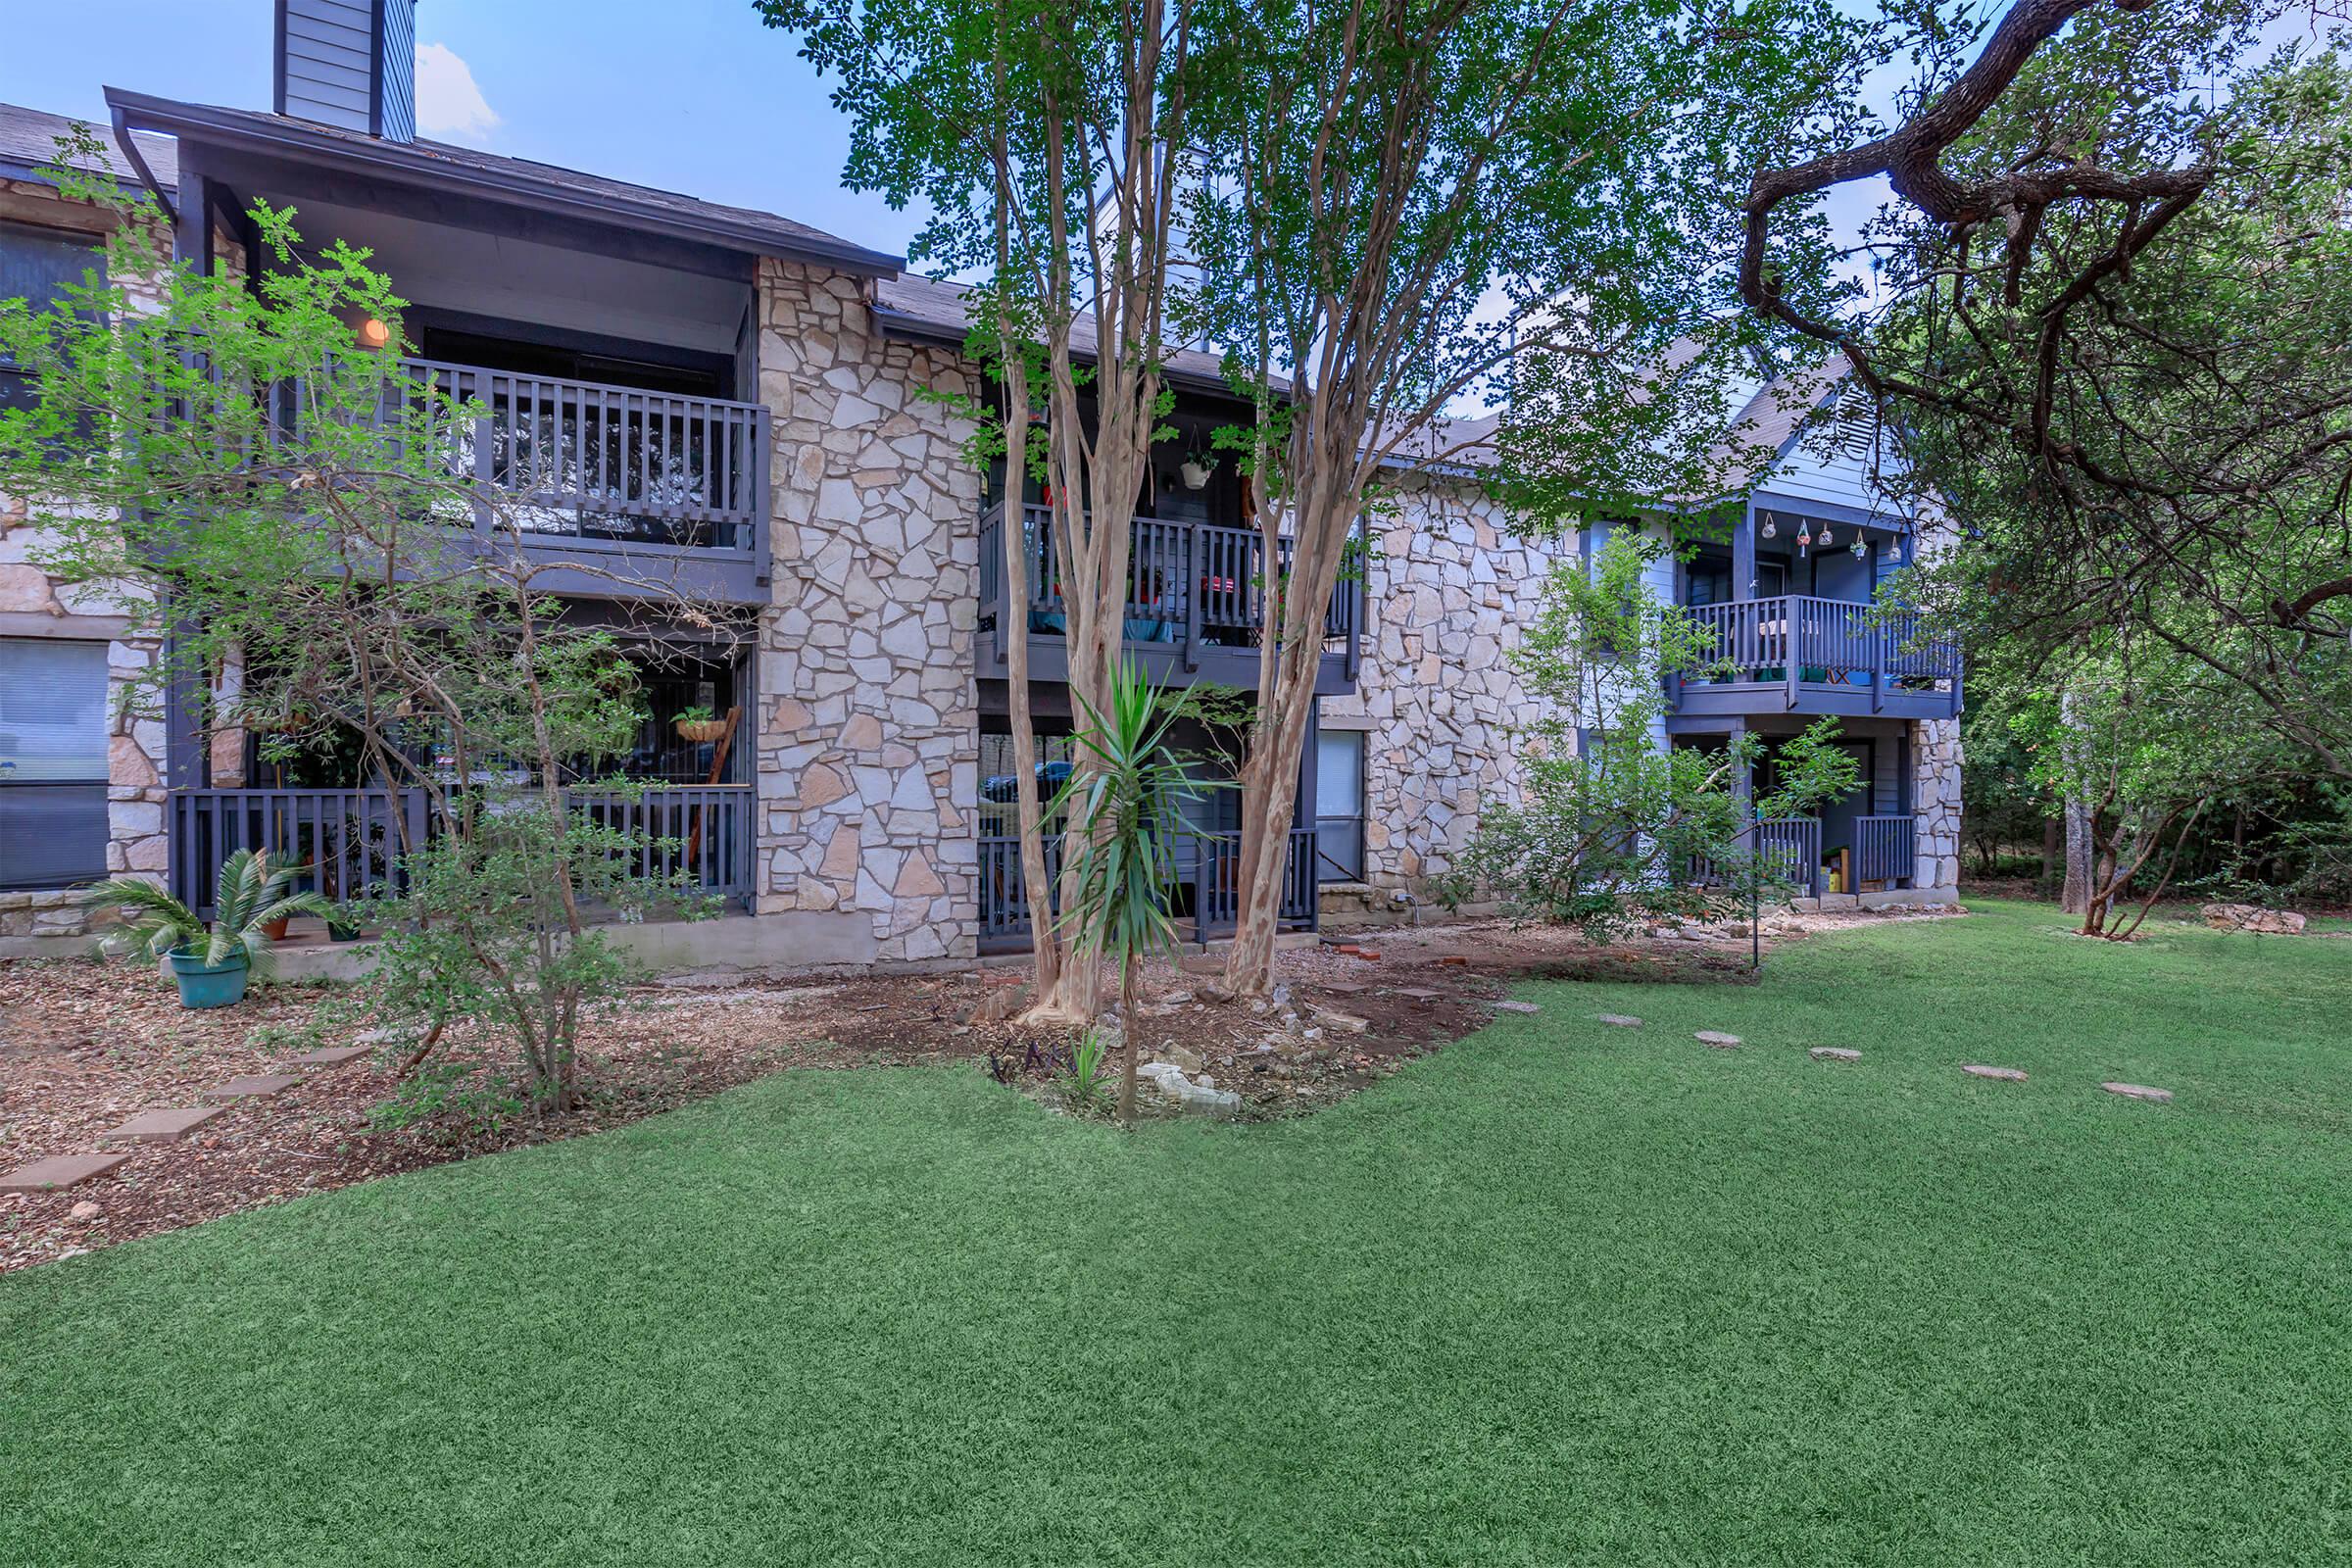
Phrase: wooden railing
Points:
(354, 840)
(1794, 641)
(1788, 849)
(612, 463)
(1886, 848)
(1195, 584)
(1207, 868)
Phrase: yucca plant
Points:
(1121, 808)
(252, 895)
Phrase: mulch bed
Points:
(85, 1047)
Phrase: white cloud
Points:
(448, 103)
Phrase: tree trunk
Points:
(1129, 1025)
(2050, 852)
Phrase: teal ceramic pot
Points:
(208, 985)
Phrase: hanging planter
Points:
(700, 725)
(1195, 470)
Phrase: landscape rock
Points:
(2007, 1075)
(1717, 1038)
(1348, 1021)
(2161, 1096)
(1621, 1020)
(83, 1212)
(2253, 917)
(1835, 1053)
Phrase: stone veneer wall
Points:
(1448, 588)
(1936, 804)
(868, 740)
(32, 604)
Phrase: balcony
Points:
(648, 492)
(1197, 604)
(1798, 655)
(1882, 857)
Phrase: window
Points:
(1339, 806)
(35, 265)
(53, 745)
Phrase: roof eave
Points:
(193, 121)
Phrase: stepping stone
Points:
(1835, 1053)
(2007, 1075)
(59, 1170)
(1718, 1039)
(2161, 1096)
(1417, 993)
(256, 1086)
(1514, 1007)
(330, 1056)
(1620, 1020)
(162, 1126)
(1343, 1020)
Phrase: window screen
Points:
(53, 744)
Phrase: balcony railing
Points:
(353, 839)
(1791, 853)
(1876, 655)
(1207, 872)
(1197, 586)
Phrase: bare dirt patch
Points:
(85, 1047)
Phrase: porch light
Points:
(373, 334)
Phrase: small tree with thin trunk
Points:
(260, 495)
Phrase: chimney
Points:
(350, 64)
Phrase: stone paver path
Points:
(1717, 1038)
(2161, 1096)
(1621, 1020)
(1835, 1053)
(59, 1170)
(2007, 1075)
(258, 1086)
(330, 1056)
(162, 1126)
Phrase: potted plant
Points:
(342, 922)
(1196, 467)
(211, 962)
(697, 724)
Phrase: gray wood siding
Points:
(328, 64)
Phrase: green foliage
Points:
(251, 895)
(486, 931)
(1084, 1083)
(1610, 823)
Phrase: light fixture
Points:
(373, 334)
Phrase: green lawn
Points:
(1564, 1293)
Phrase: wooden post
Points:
(719, 767)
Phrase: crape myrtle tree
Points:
(1049, 140)
(1408, 207)
(2114, 318)
(294, 522)
(1609, 827)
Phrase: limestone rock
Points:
(2007, 1075)
(1835, 1053)
(2161, 1096)
(2253, 917)
(1717, 1038)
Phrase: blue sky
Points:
(687, 96)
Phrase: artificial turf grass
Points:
(1563, 1293)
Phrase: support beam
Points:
(1744, 553)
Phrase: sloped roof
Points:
(29, 144)
(495, 176)
(934, 307)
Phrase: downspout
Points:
(138, 162)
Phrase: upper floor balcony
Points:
(1796, 653)
(646, 491)
(1197, 606)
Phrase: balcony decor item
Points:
(699, 724)
(1196, 468)
(373, 333)
(1805, 536)
(1772, 526)
(1861, 547)
(1827, 538)
(211, 962)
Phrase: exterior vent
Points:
(351, 64)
